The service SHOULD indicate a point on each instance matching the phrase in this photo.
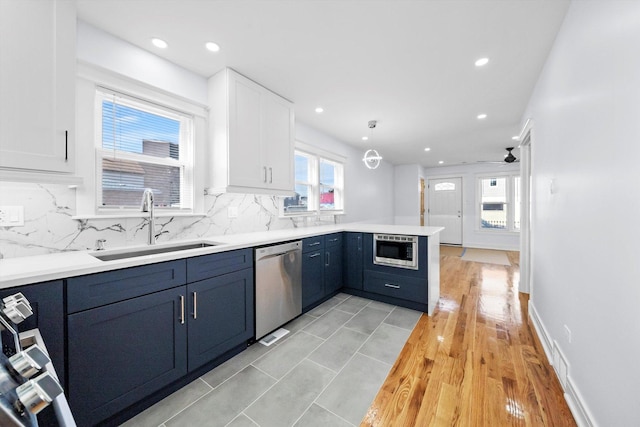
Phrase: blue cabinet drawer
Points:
(99, 289)
(396, 286)
(312, 243)
(206, 266)
(331, 240)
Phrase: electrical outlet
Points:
(232, 212)
(567, 333)
(11, 216)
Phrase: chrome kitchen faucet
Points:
(147, 206)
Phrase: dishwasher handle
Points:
(277, 250)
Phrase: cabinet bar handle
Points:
(314, 255)
(333, 240)
(359, 243)
(195, 305)
(391, 285)
(66, 145)
(328, 259)
(314, 244)
(270, 175)
(265, 173)
(182, 309)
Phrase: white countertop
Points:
(42, 268)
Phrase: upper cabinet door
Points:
(251, 136)
(37, 85)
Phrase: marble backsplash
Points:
(49, 227)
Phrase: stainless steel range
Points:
(28, 382)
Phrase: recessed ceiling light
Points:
(159, 43)
(482, 61)
(213, 47)
(365, 138)
(441, 162)
(482, 116)
(427, 149)
(319, 110)
(515, 138)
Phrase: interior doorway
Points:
(445, 208)
(525, 211)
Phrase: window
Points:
(319, 184)
(499, 203)
(445, 186)
(142, 145)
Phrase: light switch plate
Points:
(232, 212)
(11, 216)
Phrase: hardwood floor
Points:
(476, 362)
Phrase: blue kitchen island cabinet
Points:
(158, 332)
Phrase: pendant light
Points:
(371, 157)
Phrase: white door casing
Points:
(445, 208)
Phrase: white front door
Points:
(445, 208)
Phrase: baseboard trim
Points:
(572, 396)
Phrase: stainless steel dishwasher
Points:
(278, 286)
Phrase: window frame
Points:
(314, 208)
(185, 162)
(510, 202)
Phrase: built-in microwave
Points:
(395, 250)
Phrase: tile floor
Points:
(325, 372)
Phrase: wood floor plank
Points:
(476, 362)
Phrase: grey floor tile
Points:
(386, 343)
(324, 307)
(336, 351)
(227, 401)
(288, 354)
(286, 401)
(221, 373)
(242, 421)
(342, 296)
(403, 318)
(351, 392)
(294, 326)
(367, 320)
(170, 405)
(352, 304)
(382, 306)
(326, 325)
(317, 416)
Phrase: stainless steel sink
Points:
(151, 251)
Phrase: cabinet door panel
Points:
(122, 352)
(37, 83)
(333, 269)
(397, 286)
(277, 146)
(246, 168)
(220, 315)
(353, 264)
(312, 277)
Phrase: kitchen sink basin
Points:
(150, 251)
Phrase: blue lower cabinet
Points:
(312, 277)
(221, 315)
(333, 269)
(120, 353)
(353, 265)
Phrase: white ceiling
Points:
(407, 64)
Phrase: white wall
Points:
(472, 236)
(368, 192)
(407, 194)
(586, 133)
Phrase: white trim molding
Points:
(572, 396)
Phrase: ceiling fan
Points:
(509, 158)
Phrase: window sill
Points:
(130, 214)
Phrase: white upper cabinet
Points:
(251, 136)
(37, 85)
